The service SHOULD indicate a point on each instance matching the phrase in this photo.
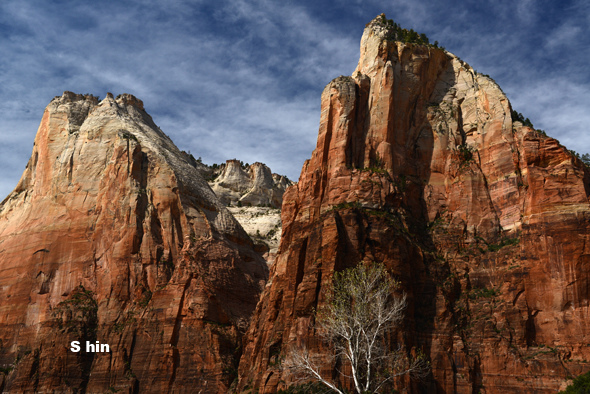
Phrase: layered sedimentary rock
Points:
(263, 225)
(112, 235)
(254, 196)
(254, 185)
(485, 222)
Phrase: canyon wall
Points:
(111, 235)
(420, 166)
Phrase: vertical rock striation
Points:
(112, 236)
(419, 165)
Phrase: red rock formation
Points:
(112, 236)
(419, 165)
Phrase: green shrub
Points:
(580, 385)
(397, 33)
(518, 117)
(503, 242)
(465, 153)
(347, 205)
(127, 135)
(483, 292)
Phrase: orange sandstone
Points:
(419, 165)
(111, 235)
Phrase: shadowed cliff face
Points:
(111, 235)
(419, 165)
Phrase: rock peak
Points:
(70, 97)
(420, 166)
(384, 40)
(127, 99)
(148, 245)
(380, 26)
(249, 185)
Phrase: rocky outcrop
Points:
(112, 236)
(263, 225)
(254, 185)
(485, 222)
(254, 196)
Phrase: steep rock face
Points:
(254, 186)
(263, 225)
(254, 196)
(112, 236)
(260, 213)
(419, 165)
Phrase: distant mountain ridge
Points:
(253, 194)
(254, 184)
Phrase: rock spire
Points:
(485, 222)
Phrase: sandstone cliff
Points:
(254, 185)
(263, 225)
(112, 236)
(254, 196)
(419, 165)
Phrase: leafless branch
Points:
(361, 307)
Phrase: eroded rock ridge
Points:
(113, 236)
(254, 195)
(250, 185)
(485, 222)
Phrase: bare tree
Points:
(359, 311)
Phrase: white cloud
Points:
(243, 78)
(562, 112)
(565, 35)
(526, 10)
(213, 87)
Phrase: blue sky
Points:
(242, 78)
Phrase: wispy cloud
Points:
(243, 78)
(211, 78)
